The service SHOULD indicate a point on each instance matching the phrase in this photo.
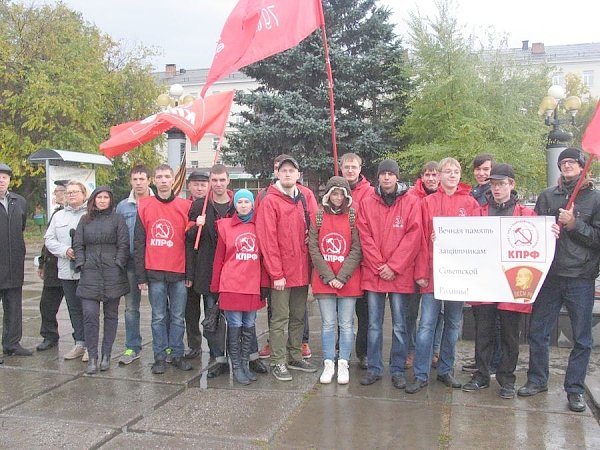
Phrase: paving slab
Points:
(19, 385)
(100, 401)
(336, 423)
(252, 417)
(480, 427)
(592, 382)
(161, 441)
(29, 433)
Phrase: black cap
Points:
(62, 183)
(389, 165)
(290, 160)
(5, 168)
(198, 175)
(572, 153)
(501, 172)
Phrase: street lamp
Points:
(175, 137)
(558, 139)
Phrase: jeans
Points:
(75, 309)
(412, 312)
(337, 310)
(577, 295)
(215, 347)
(49, 304)
(439, 330)
(239, 319)
(399, 350)
(289, 308)
(172, 296)
(133, 338)
(91, 317)
(430, 310)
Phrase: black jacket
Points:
(101, 253)
(12, 243)
(577, 251)
(49, 263)
(203, 258)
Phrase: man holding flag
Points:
(570, 281)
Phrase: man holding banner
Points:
(570, 281)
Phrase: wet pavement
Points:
(48, 402)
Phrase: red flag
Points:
(204, 115)
(256, 29)
(591, 138)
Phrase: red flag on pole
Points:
(256, 29)
(591, 138)
(204, 115)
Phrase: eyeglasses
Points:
(570, 162)
(73, 192)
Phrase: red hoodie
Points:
(360, 190)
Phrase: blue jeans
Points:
(577, 295)
(75, 309)
(239, 319)
(430, 310)
(399, 350)
(165, 296)
(439, 330)
(337, 310)
(133, 338)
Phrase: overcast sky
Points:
(186, 31)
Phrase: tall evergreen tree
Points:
(289, 113)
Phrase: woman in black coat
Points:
(101, 247)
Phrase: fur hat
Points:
(337, 183)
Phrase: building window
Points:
(558, 78)
(194, 164)
(588, 78)
(215, 142)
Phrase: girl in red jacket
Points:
(237, 277)
(334, 247)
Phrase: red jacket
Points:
(389, 235)
(519, 210)
(360, 190)
(418, 189)
(237, 264)
(282, 230)
(440, 204)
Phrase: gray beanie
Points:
(389, 165)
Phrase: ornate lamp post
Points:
(558, 139)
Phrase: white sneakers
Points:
(343, 376)
(343, 373)
(76, 352)
(328, 371)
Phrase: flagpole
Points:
(217, 153)
(330, 89)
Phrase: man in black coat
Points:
(13, 214)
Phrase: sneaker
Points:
(280, 372)
(306, 352)
(86, 356)
(410, 359)
(265, 352)
(182, 363)
(469, 368)
(75, 352)
(363, 363)
(168, 358)
(193, 353)
(159, 367)
(302, 365)
(128, 356)
(507, 391)
(328, 371)
(343, 373)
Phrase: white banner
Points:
(491, 259)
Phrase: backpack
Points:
(351, 214)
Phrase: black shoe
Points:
(475, 384)
(193, 353)
(159, 367)
(1, 360)
(449, 380)
(363, 363)
(399, 381)
(469, 368)
(415, 386)
(302, 365)
(217, 369)
(369, 378)
(531, 389)
(105, 363)
(45, 345)
(182, 363)
(258, 366)
(576, 402)
(18, 351)
(507, 391)
(92, 367)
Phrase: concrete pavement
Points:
(46, 401)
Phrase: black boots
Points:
(92, 366)
(247, 341)
(105, 363)
(234, 345)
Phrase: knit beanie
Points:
(243, 193)
(572, 153)
(389, 165)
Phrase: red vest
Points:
(165, 225)
(335, 241)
